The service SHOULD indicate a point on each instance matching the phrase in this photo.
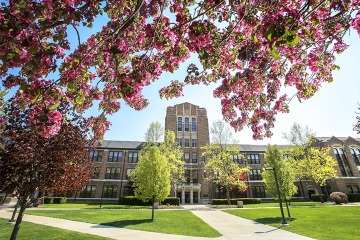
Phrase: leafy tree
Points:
(151, 176)
(357, 125)
(259, 47)
(31, 163)
(311, 163)
(154, 133)
(220, 164)
(285, 175)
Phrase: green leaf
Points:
(296, 40)
(70, 86)
(36, 98)
(274, 52)
(269, 32)
(256, 40)
(53, 107)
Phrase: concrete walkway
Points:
(230, 226)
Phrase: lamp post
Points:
(279, 196)
(102, 193)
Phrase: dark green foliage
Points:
(1, 198)
(133, 201)
(175, 201)
(48, 200)
(233, 201)
(316, 197)
(60, 200)
(354, 197)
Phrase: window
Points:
(286, 156)
(355, 152)
(253, 159)
(193, 124)
(96, 174)
(186, 124)
(352, 188)
(88, 191)
(187, 157)
(193, 143)
(179, 140)
(115, 157)
(237, 159)
(128, 171)
(258, 191)
(343, 162)
(187, 176)
(133, 157)
(112, 173)
(187, 143)
(194, 158)
(255, 174)
(195, 176)
(179, 123)
(96, 156)
(110, 191)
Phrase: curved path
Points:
(231, 227)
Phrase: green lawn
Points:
(39, 232)
(166, 221)
(323, 223)
(92, 206)
(292, 204)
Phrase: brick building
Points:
(115, 159)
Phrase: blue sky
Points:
(331, 112)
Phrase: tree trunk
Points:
(302, 189)
(2, 203)
(287, 208)
(18, 220)
(153, 208)
(228, 195)
(15, 210)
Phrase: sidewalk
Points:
(231, 227)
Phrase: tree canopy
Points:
(253, 48)
(220, 160)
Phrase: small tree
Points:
(154, 133)
(220, 164)
(31, 163)
(339, 197)
(311, 163)
(151, 176)
(285, 175)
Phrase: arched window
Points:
(193, 124)
(179, 123)
(187, 124)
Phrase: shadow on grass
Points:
(272, 220)
(124, 223)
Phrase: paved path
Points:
(231, 227)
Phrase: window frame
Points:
(118, 157)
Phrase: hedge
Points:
(1, 198)
(316, 197)
(133, 201)
(233, 201)
(59, 200)
(354, 197)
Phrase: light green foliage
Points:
(285, 174)
(154, 132)
(173, 153)
(152, 175)
(220, 164)
(310, 163)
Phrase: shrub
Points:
(354, 197)
(59, 200)
(48, 200)
(175, 201)
(233, 201)
(339, 197)
(1, 198)
(133, 201)
(316, 197)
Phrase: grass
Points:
(40, 232)
(93, 206)
(323, 223)
(169, 221)
(292, 204)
